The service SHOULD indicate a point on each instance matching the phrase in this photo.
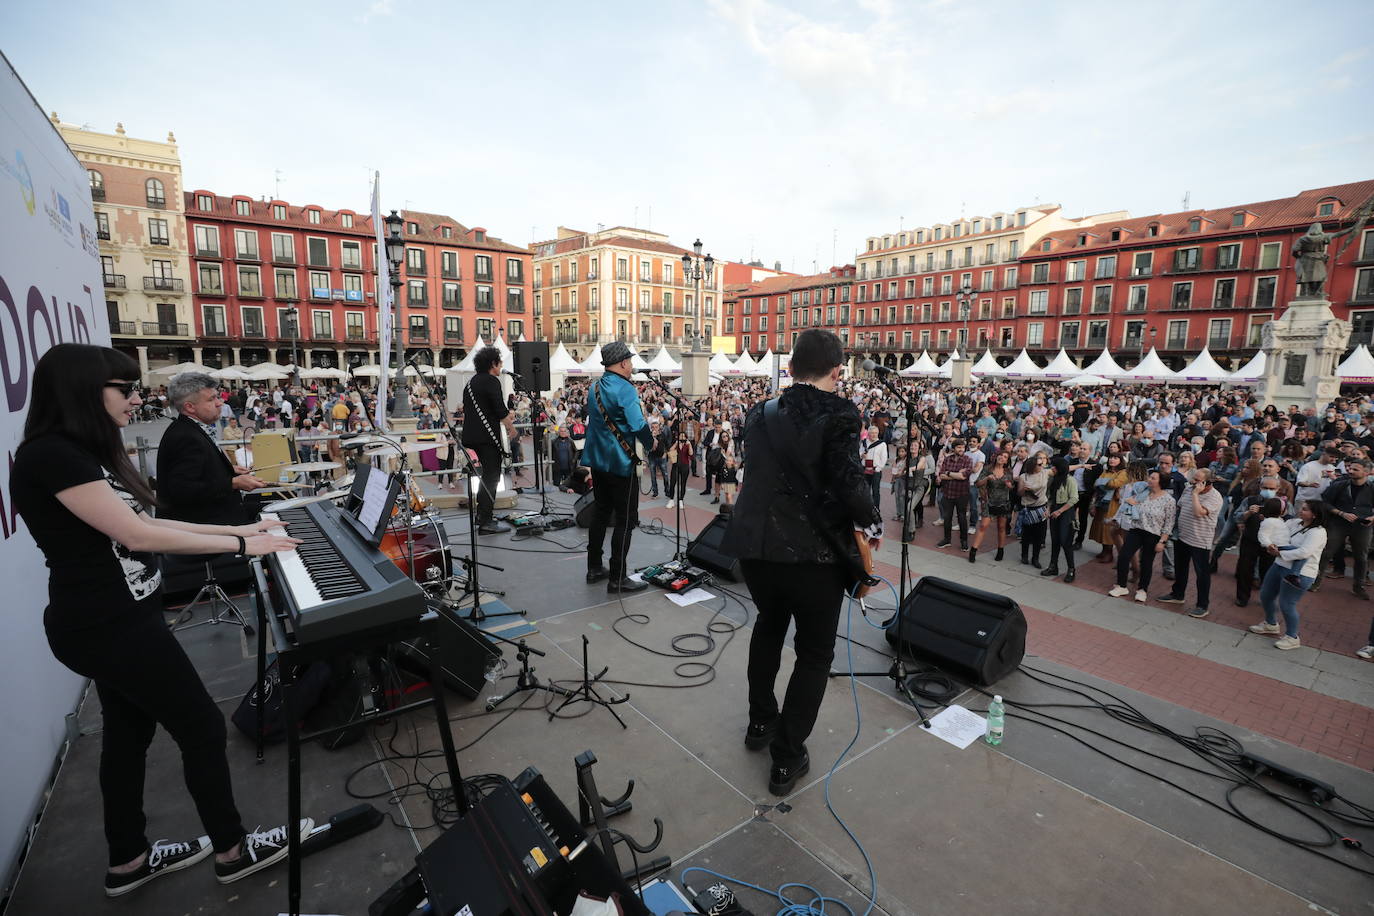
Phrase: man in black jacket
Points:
(789, 546)
(1350, 513)
(195, 482)
(484, 410)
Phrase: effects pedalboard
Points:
(675, 576)
(529, 525)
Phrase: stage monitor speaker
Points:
(465, 654)
(583, 508)
(532, 365)
(974, 635)
(704, 550)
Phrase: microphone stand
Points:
(897, 671)
(674, 426)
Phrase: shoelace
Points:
(259, 837)
(164, 848)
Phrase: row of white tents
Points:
(1357, 368)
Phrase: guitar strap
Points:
(610, 424)
(784, 457)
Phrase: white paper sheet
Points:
(691, 597)
(959, 726)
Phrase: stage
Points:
(1041, 824)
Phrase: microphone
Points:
(511, 373)
(870, 366)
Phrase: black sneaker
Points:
(1198, 613)
(625, 585)
(781, 780)
(944, 543)
(757, 737)
(260, 849)
(596, 575)
(164, 856)
(1169, 598)
(493, 528)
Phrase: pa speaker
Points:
(583, 508)
(974, 635)
(465, 653)
(532, 365)
(704, 550)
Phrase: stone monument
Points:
(961, 370)
(1303, 345)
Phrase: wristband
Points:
(243, 546)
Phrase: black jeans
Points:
(956, 505)
(677, 486)
(1061, 537)
(489, 457)
(616, 506)
(144, 680)
(1137, 539)
(1201, 560)
(1338, 531)
(812, 595)
(1251, 557)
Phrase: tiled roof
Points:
(260, 211)
(771, 286)
(431, 223)
(625, 241)
(1042, 209)
(1284, 213)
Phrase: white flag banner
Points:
(384, 303)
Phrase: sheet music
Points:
(374, 500)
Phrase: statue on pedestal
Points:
(1310, 253)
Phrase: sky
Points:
(782, 130)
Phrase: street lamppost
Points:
(966, 296)
(294, 314)
(395, 254)
(695, 268)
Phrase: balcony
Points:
(164, 284)
(284, 257)
(358, 335)
(323, 334)
(287, 295)
(1072, 308)
(123, 328)
(113, 281)
(164, 329)
(1104, 273)
(253, 332)
(97, 193)
(482, 277)
(103, 234)
(1096, 343)
(161, 241)
(1136, 306)
(412, 270)
(453, 337)
(157, 203)
(216, 290)
(212, 330)
(317, 263)
(202, 252)
(1219, 343)
(251, 256)
(251, 292)
(1180, 305)
(453, 305)
(1224, 302)
(1141, 273)
(351, 265)
(415, 336)
(622, 276)
(418, 302)
(1175, 343)
(519, 279)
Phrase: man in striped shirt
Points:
(1198, 510)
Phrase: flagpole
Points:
(384, 303)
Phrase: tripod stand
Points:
(587, 692)
(897, 671)
(526, 681)
(222, 608)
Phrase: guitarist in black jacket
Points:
(195, 482)
(793, 542)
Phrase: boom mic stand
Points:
(679, 406)
(897, 671)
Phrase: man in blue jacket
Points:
(614, 422)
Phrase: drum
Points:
(421, 551)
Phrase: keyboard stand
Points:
(290, 655)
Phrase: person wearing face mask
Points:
(1349, 515)
(1253, 563)
(1146, 448)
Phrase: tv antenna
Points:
(276, 192)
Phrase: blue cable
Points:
(816, 906)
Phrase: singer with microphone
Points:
(484, 407)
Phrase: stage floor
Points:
(1041, 824)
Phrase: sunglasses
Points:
(125, 388)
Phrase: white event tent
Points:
(1251, 371)
(1357, 368)
(664, 363)
(764, 367)
(1060, 367)
(592, 364)
(1022, 367)
(1203, 370)
(923, 366)
(1104, 366)
(1151, 369)
(986, 365)
(745, 364)
(1087, 381)
(721, 365)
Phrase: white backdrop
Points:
(50, 292)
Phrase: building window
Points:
(448, 265)
(1228, 257)
(1326, 208)
(251, 316)
(97, 181)
(1138, 298)
(346, 221)
(416, 293)
(284, 282)
(453, 296)
(1106, 268)
(1143, 264)
(283, 248)
(1265, 289)
(482, 267)
(207, 241)
(250, 281)
(1195, 225)
(211, 281)
(157, 232)
(1068, 335)
(1074, 271)
(313, 217)
(1225, 294)
(1073, 300)
(319, 285)
(243, 207)
(205, 202)
(1035, 334)
(1187, 259)
(515, 271)
(321, 325)
(351, 255)
(412, 228)
(485, 303)
(1219, 333)
(212, 317)
(419, 329)
(415, 262)
(1183, 295)
(515, 299)
(1178, 335)
(1097, 333)
(1102, 299)
(1269, 256)
(279, 211)
(1039, 301)
(156, 195)
(1364, 284)
(1040, 273)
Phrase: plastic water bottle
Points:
(996, 721)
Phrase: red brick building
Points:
(270, 278)
(1177, 281)
(771, 313)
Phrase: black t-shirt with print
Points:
(93, 579)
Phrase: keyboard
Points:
(335, 583)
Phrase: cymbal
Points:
(390, 448)
(310, 467)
